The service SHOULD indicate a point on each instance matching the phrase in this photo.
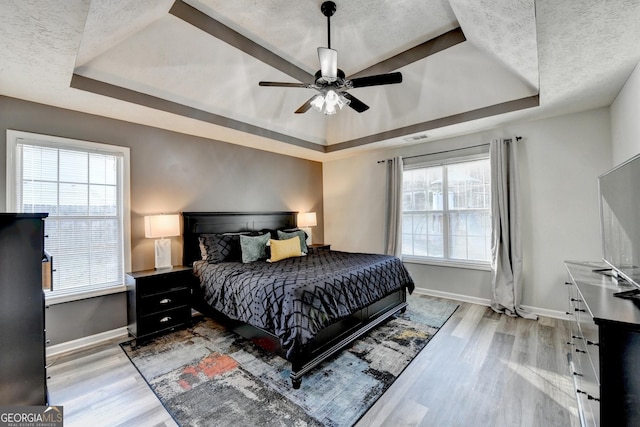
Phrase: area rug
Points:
(208, 376)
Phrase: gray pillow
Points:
(254, 247)
(299, 233)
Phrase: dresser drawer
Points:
(157, 302)
(584, 369)
(163, 320)
(589, 331)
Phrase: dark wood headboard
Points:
(196, 223)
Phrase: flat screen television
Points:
(619, 192)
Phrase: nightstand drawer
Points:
(163, 301)
(159, 284)
(163, 320)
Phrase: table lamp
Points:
(305, 222)
(160, 227)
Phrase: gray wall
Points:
(170, 172)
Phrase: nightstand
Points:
(158, 300)
(321, 246)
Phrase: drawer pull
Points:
(165, 301)
(576, 337)
(580, 351)
(576, 300)
(568, 283)
(582, 310)
(568, 314)
(578, 375)
(589, 397)
(593, 343)
(165, 319)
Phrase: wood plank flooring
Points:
(481, 369)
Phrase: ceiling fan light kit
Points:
(328, 102)
(330, 81)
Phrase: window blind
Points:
(81, 189)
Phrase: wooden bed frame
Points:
(330, 340)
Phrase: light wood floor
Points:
(481, 369)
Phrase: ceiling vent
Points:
(416, 138)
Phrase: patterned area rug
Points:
(208, 376)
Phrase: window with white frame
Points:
(446, 211)
(84, 187)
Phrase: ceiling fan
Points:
(330, 81)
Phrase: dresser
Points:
(22, 329)
(158, 301)
(604, 362)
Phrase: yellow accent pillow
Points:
(282, 249)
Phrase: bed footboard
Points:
(328, 341)
(345, 332)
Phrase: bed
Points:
(305, 309)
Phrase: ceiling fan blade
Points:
(306, 106)
(355, 103)
(279, 84)
(377, 80)
(328, 63)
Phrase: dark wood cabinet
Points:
(605, 348)
(22, 329)
(158, 300)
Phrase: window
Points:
(84, 188)
(447, 212)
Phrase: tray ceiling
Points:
(193, 66)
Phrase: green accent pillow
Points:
(254, 247)
(299, 233)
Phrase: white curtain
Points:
(393, 214)
(506, 238)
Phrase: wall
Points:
(170, 172)
(625, 120)
(560, 159)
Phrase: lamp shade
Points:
(157, 226)
(307, 219)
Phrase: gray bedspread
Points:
(297, 297)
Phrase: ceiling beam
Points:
(204, 22)
(416, 53)
(492, 110)
(139, 98)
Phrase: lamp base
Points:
(163, 254)
(308, 231)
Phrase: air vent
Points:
(416, 138)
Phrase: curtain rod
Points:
(518, 138)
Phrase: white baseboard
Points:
(80, 343)
(487, 302)
(548, 313)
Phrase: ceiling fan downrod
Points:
(328, 8)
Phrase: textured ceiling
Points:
(193, 67)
